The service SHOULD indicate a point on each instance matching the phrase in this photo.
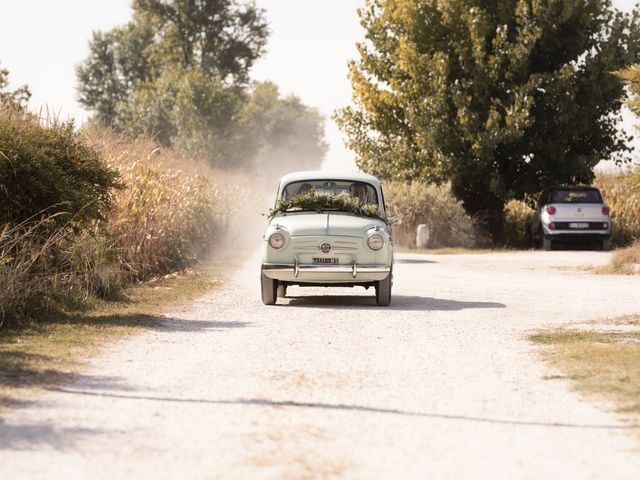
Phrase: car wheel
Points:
(282, 291)
(605, 245)
(383, 291)
(269, 289)
(547, 243)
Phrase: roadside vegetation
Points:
(84, 215)
(150, 184)
(418, 203)
(42, 354)
(500, 100)
(602, 362)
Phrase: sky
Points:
(310, 45)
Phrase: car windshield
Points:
(576, 196)
(363, 191)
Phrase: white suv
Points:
(570, 214)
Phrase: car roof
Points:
(329, 175)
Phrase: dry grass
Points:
(517, 215)
(624, 262)
(600, 363)
(172, 209)
(622, 195)
(435, 206)
(167, 216)
(52, 350)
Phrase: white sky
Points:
(311, 42)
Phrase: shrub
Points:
(622, 195)
(166, 215)
(517, 215)
(46, 167)
(418, 203)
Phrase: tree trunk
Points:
(495, 225)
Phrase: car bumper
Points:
(314, 273)
(585, 236)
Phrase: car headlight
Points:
(277, 240)
(375, 242)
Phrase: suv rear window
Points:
(576, 196)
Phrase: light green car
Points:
(311, 246)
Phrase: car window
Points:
(364, 191)
(576, 196)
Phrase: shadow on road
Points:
(398, 302)
(32, 437)
(413, 261)
(150, 322)
(261, 402)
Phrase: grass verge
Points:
(48, 353)
(603, 363)
(624, 261)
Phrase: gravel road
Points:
(441, 384)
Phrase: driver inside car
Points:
(359, 190)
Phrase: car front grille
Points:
(312, 244)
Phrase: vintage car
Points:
(570, 214)
(327, 229)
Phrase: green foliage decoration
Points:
(321, 202)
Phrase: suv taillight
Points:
(605, 210)
(551, 210)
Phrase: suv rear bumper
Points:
(578, 236)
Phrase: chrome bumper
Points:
(353, 268)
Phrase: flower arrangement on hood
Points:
(321, 202)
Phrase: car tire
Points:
(269, 289)
(605, 245)
(282, 290)
(547, 243)
(383, 291)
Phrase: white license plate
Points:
(579, 225)
(324, 261)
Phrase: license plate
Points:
(323, 261)
(578, 225)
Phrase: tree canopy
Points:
(180, 70)
(500, 97)
(219, 38)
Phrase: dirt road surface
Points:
(441, 384)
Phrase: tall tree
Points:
(500, 97)
(290, 134)
(221, 38)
